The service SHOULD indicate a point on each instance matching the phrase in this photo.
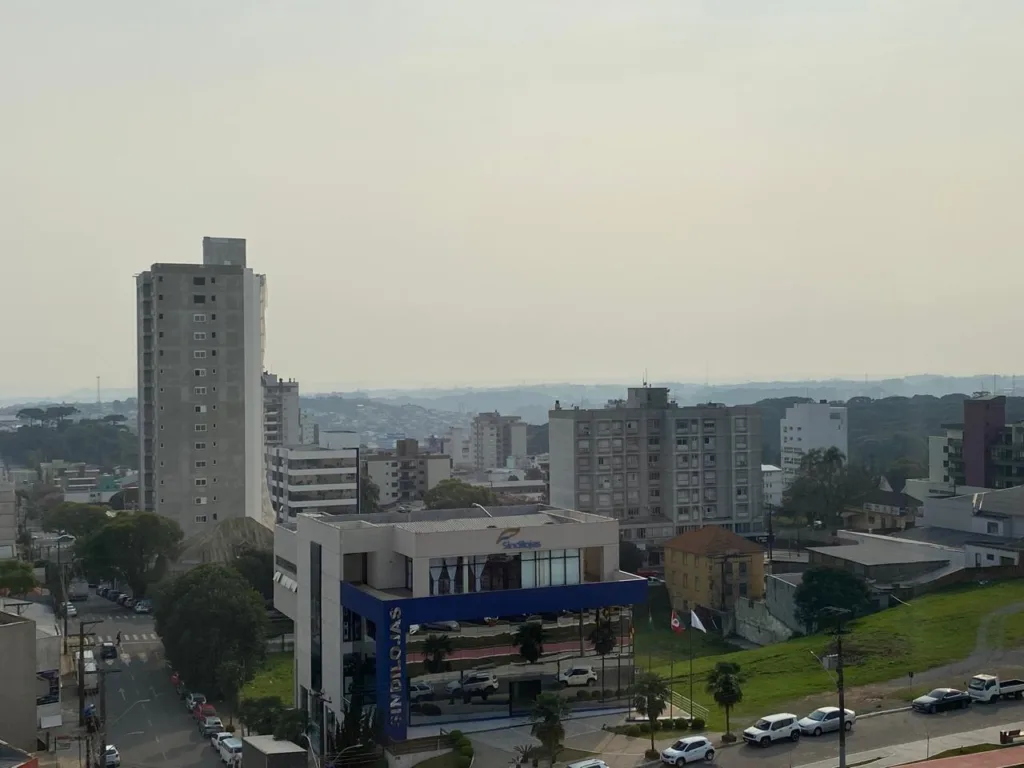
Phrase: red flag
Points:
(677, 625)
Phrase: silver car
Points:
(826, 719)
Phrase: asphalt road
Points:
(871, 733)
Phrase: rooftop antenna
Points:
(98, 399)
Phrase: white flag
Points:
(695, 622)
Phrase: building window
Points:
(198, 281)
(741, 423)
(583, 428)
(200, 446)
(992, 528)
(198, 390)
(583, 446)
(199, 354)
(200, 409)
(200, 427)
(199, 500)
(199, 317)
(198, 298)
(200, 518)
(200, 372)
(743, 589)
(200, 465)
(316, 645)
(200, 482)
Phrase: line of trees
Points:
(49, 433)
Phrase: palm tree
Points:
(602, 637)
(436, 650)
(548, 711)
(650, 697)
(529, 639)
(724, 686)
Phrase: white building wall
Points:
(979, 556)
(517, 442)
(771, 484)
(384, 474)
(811, 426)
(438, 468)
(562, 449)
(254, 344)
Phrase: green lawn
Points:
(277, 678)
(1007, 631)
(933, 630)
(447, 760)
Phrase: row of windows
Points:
(195, 280)
(630, 461)
(682, 426)
(663, 532)
(616, 444)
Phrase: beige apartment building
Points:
(405, 474)
(658, 468)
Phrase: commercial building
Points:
(282, 423)
(807, 427)
(200, 367)
(360, 590)
(8, 517)
(18, 681)
(405, 474)
(883, 511)
(659, 469)
(771, 486)
(320, 478)
(711, 568)
(887, 562)
(497, 440)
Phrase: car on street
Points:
(70, 609)
(108, 651)
(111, 756)
(692, 749)
(102, 590)
(143, 606)
(193, 700)
(210, 725)
(129, 603)
(941, 700)
(203, 711)
(577, 676)
(772, 728)
(480, 684)
(230, 750)
(420, 691)
(824, 720)
(112, 595)
(989, 688)
(217, 738)
(122, 598)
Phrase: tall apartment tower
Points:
(281, 420)
(496, 439)
(810, 426)
(200, 365)
(658, 468)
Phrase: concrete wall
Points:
(18, 682)
(780, 604)
(754, 622)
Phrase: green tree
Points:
(822, 588)
(455, 494)
(210, 616)
(549, 709)
(32, 415)
(230, 677)
(257, 566)
(602, 637)
(80, 520)
(115, 418)
(93, 441)
(436, 650)
(134, 548)
(650, 697)
(291, 725)
(258, 714)
(16, 577)
(824, 486)
(631, 559)
(724, 685)
(369, 495)
(529, 639)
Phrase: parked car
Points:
(825, 719)
(102, 590)
(111, 756)
(578, 676)
(592, 762)
(692, 749)
(442, 626)
(230, 750)
(772, 728)
(210, 725)
(143, 606)
(69, 609)
(217, 738)
(940, 700)
(129, 602)
(479, 684)
(108, 651)
(123, 597)
(203, 711)
(420, 691)
(989, 688)
(193, 700)
(112, 595)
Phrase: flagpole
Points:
(650, 648)
(691, 668)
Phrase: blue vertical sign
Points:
(396, 698)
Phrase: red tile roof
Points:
(712, 540)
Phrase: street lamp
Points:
(481, 506)
(838, 614)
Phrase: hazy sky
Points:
(486, 192)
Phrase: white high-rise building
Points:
(807, 427)
(771, 483)
(201, 342)
(282, 423)
(321, 478)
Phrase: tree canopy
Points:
(16, 577)
(650, 697)
(257, 568)
(724, 683)
(79, 520)
(98, 442)
(455, 494)
(823, 588)
(631, 559)
(210, 618)
(132, 547)
(824, 486)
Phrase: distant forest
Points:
(882, 432)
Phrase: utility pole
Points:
(837, 615)
(81, 668)
(63, 595)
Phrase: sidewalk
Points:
(913, 751)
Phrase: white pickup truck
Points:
(989, 688)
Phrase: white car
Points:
(70, 610)
(474, 684)
(217, 738)
(692, 749)
(111, 756)
(772, 728)
(825, 719)
(577, 676)
(420, 691)
(230, 750)
(193, 699)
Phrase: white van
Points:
(228, 749)
(591, 763)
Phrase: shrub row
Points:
(679, 724)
